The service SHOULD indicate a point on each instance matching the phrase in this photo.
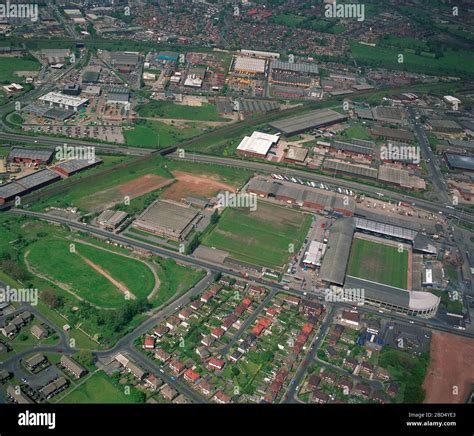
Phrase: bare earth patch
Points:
(194, 185)
(450, 366)
(134, 188)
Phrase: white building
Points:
(257, 145)
(68, 102)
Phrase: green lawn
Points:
(262, 237)
(9, 65)
(167, 109)
(175, 279)
(454, 63)
(379, 263)
(97, 389)
(153, 134)
(68, 268)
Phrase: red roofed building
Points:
(149, 343)
(217, 333)
(176, 366)
(214, 363)
(307, 328)
(258, 329)
(191, 376)
(246, 302)
(221, 398)
(272, 312)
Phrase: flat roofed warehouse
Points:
(38, 180)
(167, 219)
(30, 155)
(71, 167)
(349, 147)
(352, 169)
(247, 65)
(257, 145)
(311, 120)
(459, 161)
(296, 67)
(62, 101)
(396, 134)
(400, 177)
(9, 191)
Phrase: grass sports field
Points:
(262, 237)
(378, 263)
(71, 269)
(8, 66)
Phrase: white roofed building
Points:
(257, 145)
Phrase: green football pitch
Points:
(378, 263)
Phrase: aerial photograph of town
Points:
(242, 211)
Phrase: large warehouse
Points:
(71, 167)
(304, 196)
(247, 65)
(168, 220)
(257, 145)
(460, 161)
(312, 120)
(68, 102)
(30, 155)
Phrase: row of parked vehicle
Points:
(313, 184)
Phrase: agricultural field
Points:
(262, 237)
(379, 263)
(156, 135)
(166, 109)
(100, 277)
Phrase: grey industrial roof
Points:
(57, 114)
(459, 143)
(297, 67)
(403, 135)
(358, 170)
(352, 148)
(118, 90)
(385, 229)
(76, 164)
(258, 105)
(290, 79)
(10, 190)
(111, 96)
(123, 58)
(264, 185)
(30, 153)
(459, 161)
(313, 119)
(333, 269)
(38, 178)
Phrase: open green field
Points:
(153, 134)
(167, 109)
(9, 65)
(70, 269)
(452, 63)
(98, 389)
(378, 263)
(262, 237)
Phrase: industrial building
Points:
(30, 156)
(312, 120)
(118, 95)
(339, 166)
(27, 184)
(74, 166)
(395, 134)
(354, 147)
(304, 196)
(111, 219)
(257, 145)
(459, 161)
(58, 100)
(401, 177)
(168, 220)
(294, 73)
(316, 251)
(248, 65)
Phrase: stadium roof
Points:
(297, 67)
(379, 291)
(385, 229)
(459, 161)
(313, 119)
(30, 153)
(345, 167)
(333, 269)
(258, 143)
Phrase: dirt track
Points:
(450, 369)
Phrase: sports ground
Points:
(262, 237)
(379, 263)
